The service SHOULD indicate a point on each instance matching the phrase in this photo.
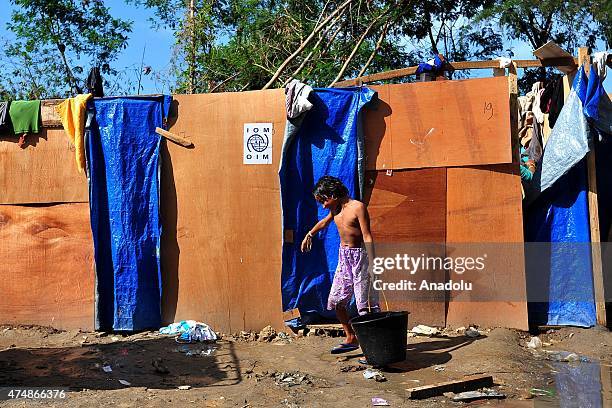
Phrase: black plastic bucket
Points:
(382, 336)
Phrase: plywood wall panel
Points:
(46, 273)
(440, 124)
(484, 210)
(225, 262)
(44, 171)
(407, 214)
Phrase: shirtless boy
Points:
(351, 276)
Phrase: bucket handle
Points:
(383, 294)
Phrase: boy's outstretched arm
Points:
(364, 223)
(307, 242)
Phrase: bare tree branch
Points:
(316, 46)
(327, 45)
(356, 47)
(305, 43)
(226, 80)
(376, 48)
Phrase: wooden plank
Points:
(45, 171)
(408, 214)
(174, 138)
(598, 280)
(470, 383)
(551, 50)
(463, 65)
(484, 206)
(484, 216)
(47, 275)
(221, 247)
(450, 123)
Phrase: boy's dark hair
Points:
(328, 187)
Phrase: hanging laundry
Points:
(72, 114)
(526, 132)
(527, 166)
(4, 106)
(95, 83)
(599, 64)
(504, 62)
(535, 149)
(537, 89)
(296, 98)
(25, 116)
(569, 140)
(603, 120)
(552, 100)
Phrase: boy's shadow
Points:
(425, 354)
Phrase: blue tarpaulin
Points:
(560, 215)
(123, 171)
(569, 140)
(325, 144)
(562, 268)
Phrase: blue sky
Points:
(159, 46)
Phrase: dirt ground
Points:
(292, 371)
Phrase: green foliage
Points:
(57, 41)
(234, 45)
(570, 24)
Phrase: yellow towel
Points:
(72, 115)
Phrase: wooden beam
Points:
(514, 118)
(171, 136)
(467, 384)
(457, 66)
(598, 282)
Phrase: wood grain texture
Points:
(44, 171)
(47, 275)
(407, 214)
(484, 207)
(221, 247)
(440, 124)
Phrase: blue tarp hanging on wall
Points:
(325, 144)
(560, 216)
(562, 268)
(123, 171)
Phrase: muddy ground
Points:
(291, 371)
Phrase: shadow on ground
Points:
(132, 361)
(430, 353)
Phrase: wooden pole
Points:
(514, 119)
(402, 72)
(598, 282)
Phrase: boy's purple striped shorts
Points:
(352, 278)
